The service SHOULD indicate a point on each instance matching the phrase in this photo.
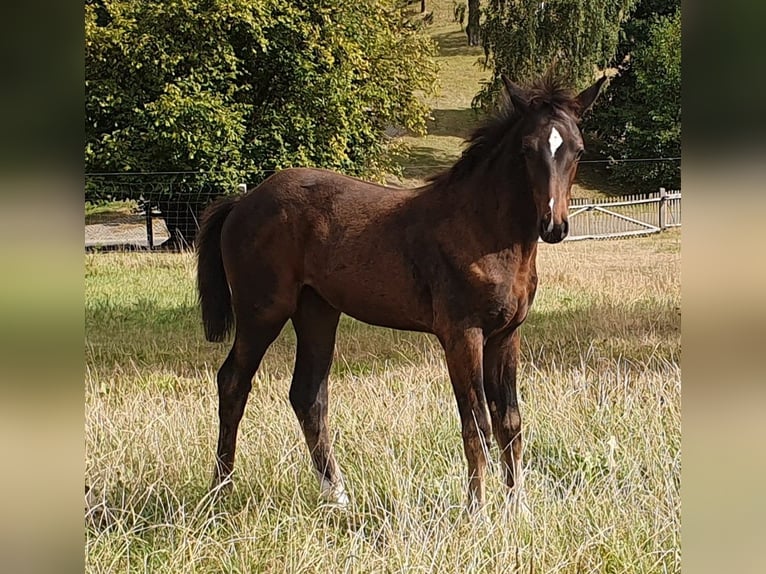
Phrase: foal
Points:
(455, 258)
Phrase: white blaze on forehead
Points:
(555, 140)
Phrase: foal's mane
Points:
(548, 90)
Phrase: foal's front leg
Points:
(464, 352)
(501, 356)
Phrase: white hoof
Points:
(333, 494)
(518, 505)
(479, 515)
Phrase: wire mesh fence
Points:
(151, 211)
(162, 211)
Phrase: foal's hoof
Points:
(476, 510)
(221, 487)
(477, 515)
(333, 494)
(341, 502)
(335, 500)
(517, 504)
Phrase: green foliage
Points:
(640, 115)
(523, 38)
(237, 88)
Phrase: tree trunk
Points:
(472, 29)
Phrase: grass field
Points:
(600, 387)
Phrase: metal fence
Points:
(159, 216)
(152, 211)
(624, 216)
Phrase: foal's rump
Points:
(343, 237)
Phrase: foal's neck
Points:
(488, 188)
(501, 197)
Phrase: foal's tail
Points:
(214, 293)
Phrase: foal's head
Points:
(551, 147)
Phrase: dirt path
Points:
(124, 231)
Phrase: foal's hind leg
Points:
(315, 324)
(234, 383)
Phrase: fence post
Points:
(663, 208)
(149, 228)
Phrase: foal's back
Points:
(357, 244)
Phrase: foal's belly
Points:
(392, 320)
(376, 303)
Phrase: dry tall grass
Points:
(600, 385)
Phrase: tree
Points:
(522, 39)
(235, 89)
(458, 11)
(640, 116)
(473, 29)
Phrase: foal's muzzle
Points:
(553, 233)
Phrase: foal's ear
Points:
(586, 98)
(517, 94)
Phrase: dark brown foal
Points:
(455, 258)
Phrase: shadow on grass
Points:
(636, 334)
(455, 43)
(422, 161)
(147, 334)
(156, 337)
(113, 212)
(457, 123)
